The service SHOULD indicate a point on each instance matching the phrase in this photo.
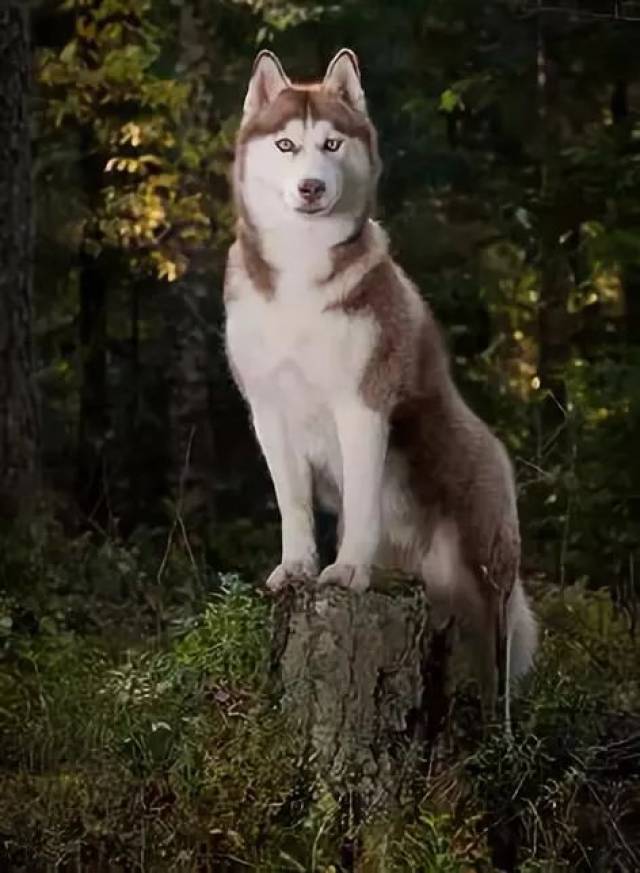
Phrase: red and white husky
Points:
(347, 377)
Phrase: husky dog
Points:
(347, 377)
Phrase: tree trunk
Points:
(555, 272)
(192, 336)
(92, 425)
(190, 407)
(363, 678)
(134, 478)
(630, 270)
(19, 436)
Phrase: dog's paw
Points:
(356, 577)
(288, 571)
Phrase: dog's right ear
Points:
(343, 79)
(268, 79)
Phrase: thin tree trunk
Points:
(631, 282)
(93, 421)
(190, 407)
(630, 271)
(133, 407)
(19, 432)
(555, 272)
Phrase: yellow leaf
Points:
(85, 28)
(168, 270)
(131, 133)
(68, 53)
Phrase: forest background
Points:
(137, 511)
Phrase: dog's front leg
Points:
(291, 477)
(363, 435)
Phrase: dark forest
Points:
(138, 729)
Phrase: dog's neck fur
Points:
(321, 245)
(313, 242)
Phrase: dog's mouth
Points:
(311, 209)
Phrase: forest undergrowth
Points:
(138, 732)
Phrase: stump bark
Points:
(363, 677)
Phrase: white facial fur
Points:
(272, 177)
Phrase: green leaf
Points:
(450, 100)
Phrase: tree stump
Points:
(363, 679)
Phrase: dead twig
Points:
(178, 522)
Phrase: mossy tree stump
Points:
(363, 679)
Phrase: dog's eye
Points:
(285, 145)
(332, 145)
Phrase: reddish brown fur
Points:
(380, 294)
(457, 469)
(299, 101)
(261, 273)
(346, 253)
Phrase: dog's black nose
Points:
(311, 189)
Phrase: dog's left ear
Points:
(343, 79)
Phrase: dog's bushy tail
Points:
(522, 631)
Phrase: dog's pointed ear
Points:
(343, 79)
(268, 79)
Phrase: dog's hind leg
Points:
(485, 638)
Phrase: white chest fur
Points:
(294, 333)
(300, 357)
(298, 336)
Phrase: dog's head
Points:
(305, 152)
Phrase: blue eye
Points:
(332, 145)
(285, 145)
